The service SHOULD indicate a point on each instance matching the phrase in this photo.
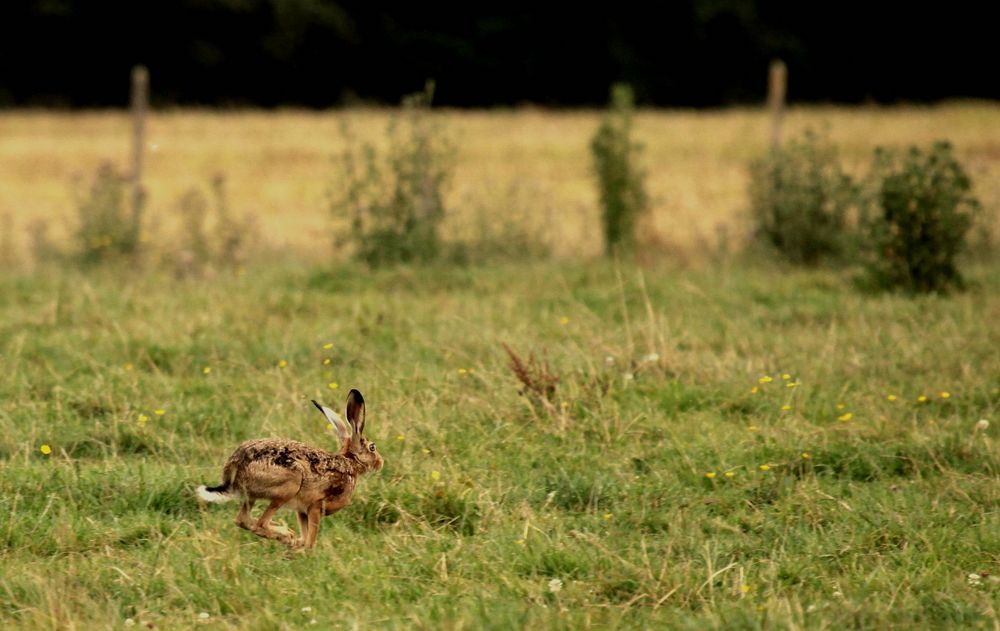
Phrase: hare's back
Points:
(266, 463)
(279, 452)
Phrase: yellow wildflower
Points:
(785, 407)
(45, 449)
(462, 371)
(206, 370)
(328, 346)
(765, 467)
(333, 385)
(765, 379)
(160, 412)
(840, 406)
(845, 417)
(435, 475)
(806, 455)
(754, 390)
(921, 399)
(564, 320)
(282, 363)
(786, 376)
(143, 418)
(608, 516)
(400, 437)
(326, 362)
(945, 395)
(710, 475)
(891, 397)
(745, 589)
(751, 428)
(729, 474)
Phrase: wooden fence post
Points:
(776, 87)
(139, 104)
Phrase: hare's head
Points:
(355, 445)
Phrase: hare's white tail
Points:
(215, 494)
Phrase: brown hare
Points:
(311, 481)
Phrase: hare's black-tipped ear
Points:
(356, 411)
(334, 419)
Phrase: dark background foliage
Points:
(319, 53)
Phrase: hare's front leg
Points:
(311, 528)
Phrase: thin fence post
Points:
(776, 87)
(140, 105)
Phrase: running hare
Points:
(311, 481)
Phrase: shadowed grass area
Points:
(735, 448)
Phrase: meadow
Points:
(731, 443)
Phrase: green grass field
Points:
(733, 443)
(658, 490)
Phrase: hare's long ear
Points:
(356, 412)
(338, 423)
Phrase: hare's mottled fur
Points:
(311, 481)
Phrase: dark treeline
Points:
(320, 53)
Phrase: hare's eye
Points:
(371, 447)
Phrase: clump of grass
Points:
(8, 253)
(226, 245)
(800, 198)
(620, 180)
(395, 202)
(509, 224)
(108, 226)
(923, 210)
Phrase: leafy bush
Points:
(108, 227)
(395, 202)
(620, 180)
(800, 198)
(922, 211)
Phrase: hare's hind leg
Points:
(243, 519)
(263, 527)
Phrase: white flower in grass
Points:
(306, 609)
(129, 622)
(555, 586)
(975, 579)
(982, 425)
(203, 616)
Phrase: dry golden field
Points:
(528, 164)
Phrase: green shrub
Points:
(922, 209)
(620, 181)
(108, 226)
(800, 198)
(395, 202)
